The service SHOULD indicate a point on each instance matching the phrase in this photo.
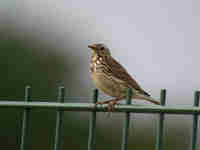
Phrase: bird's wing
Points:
(118, 71)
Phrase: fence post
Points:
(125, 132)
(160, 130)
(195, 121)
(92, 124)
(25, 121)
(59, 119)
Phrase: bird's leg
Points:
(111, 103)
(105, 102)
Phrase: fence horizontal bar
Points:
(136, 108)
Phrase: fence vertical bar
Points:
(125, 132)
(195, 121)
(160, 128)
(25, 120)
(59, 119)
(92, 124)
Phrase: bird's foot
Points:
(111, 104)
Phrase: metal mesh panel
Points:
(60, 107)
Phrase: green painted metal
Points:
(25, 120)
(92, 124)
(60, 107)
(135, 108)
(125, 132)
(195, 121)
(160, 128)
(59, 119)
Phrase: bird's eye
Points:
(102, 48)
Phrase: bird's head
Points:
(100, 49)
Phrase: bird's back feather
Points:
(119, 72)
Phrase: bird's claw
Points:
(111, 104)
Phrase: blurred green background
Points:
(23, 63)
(40, 58)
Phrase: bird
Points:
(112, 78)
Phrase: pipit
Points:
(112, 78)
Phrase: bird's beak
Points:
(92, 47)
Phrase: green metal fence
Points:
(60, 107)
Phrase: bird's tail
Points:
(147, 98)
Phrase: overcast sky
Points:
(157, 41)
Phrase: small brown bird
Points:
(112, 78)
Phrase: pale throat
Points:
(95, 60)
